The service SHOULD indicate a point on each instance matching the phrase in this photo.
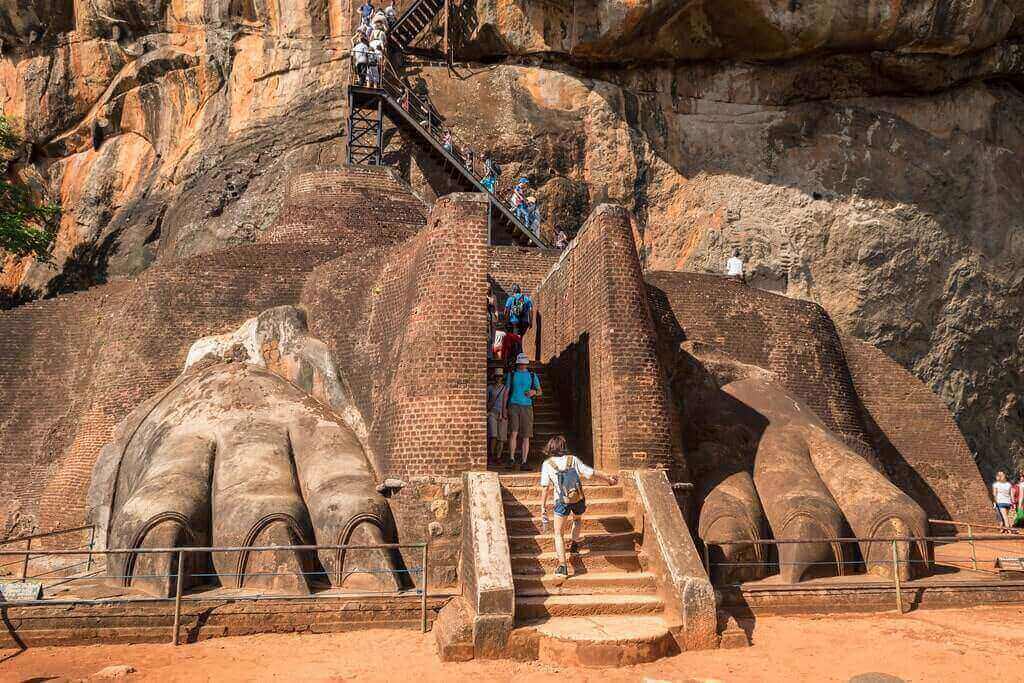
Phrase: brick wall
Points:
(524, 266)
(794, 339)
(407, 326)
(593, 305)
(917, 438)
(408, 329)
(71, 368)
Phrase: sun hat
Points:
(522, 359)
(531, 199)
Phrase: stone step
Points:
(540, 606)
(604, 641)
(612, 506)
(530, 494)
(545, 543)
(591, 523)
(597, 561)
(585, 584)
(514, 481)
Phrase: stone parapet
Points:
(667, 543)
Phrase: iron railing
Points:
(841, 563)
(176, 575)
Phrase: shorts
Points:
(577, 508)
(1004, 506)
(520, 419)
(496, 427)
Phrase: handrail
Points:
(971, 525)
(45, 534)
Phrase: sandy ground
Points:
(938, 645)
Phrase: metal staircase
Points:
(412, 22)
(419, 122)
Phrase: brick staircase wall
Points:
(917, 439)
(594, 324)
(794, 339)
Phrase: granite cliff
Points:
(864, 155)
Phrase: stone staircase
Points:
(608, 612)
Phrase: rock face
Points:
(869, 160)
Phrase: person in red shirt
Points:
(1017, 496)
(511, 345)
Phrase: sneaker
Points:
(562, 572)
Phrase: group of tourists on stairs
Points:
(513, 388)
(369, 43)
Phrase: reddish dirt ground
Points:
(946, 645)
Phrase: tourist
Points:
(511, 346)
(734, 266)
(519, 311)
(491, 167)
(1001, 492)
(379, 31)
(532, 215)
(492, 321)
(391, 15)
(449, 145)
(405, 98)
(470, 156)
(365, 12)
(518, 198)
(361, 55)
(562, 473)
(523, 387)
(375, 61)
(497, 416)
(561, 239)
(1018, 500)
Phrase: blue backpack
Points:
(569, 482)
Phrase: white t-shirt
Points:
(1001, 489)
(360, 50)
(734, 266)
(549, 472)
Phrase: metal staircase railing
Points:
(415, 113)
(412, 21)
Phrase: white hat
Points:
(522, 359)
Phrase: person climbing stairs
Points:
(608, 608)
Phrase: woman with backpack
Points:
(564, 474)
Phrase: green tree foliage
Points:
(27, 227)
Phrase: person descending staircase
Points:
(608, 611)
(419, 121)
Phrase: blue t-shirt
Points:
(519, 382)
(527, 305)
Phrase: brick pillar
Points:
(597, 294)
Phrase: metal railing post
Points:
(177, 596)
(974, 553)
(92, 539)
(24, 564)
(896, 576)
(423, 598)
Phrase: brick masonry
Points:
(71, 368)
(595, 329)
(878, 408)
(917, 438)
